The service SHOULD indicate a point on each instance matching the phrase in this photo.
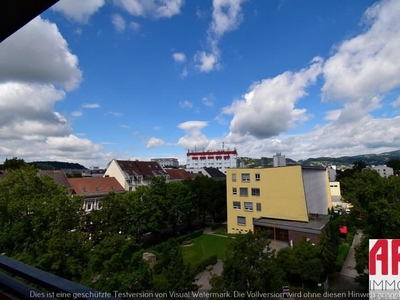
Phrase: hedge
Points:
(201, 265)
(179, 240)
(343, 252)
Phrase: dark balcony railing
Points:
(54, 287)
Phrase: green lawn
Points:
(205, 246)
(222, 231)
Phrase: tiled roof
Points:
(148, 169)
(95, 185)
(178, 174)
(59, 177)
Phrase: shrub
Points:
(343, 252)
(201, 265)
(190, 236)
(349, 238)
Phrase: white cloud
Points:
(72, 143)
(208, 100)
(365, 67)
(333, 115)
(91, 105)
(118, 22)
(179, 57)
(186, 104)
(184, 72)
(154, 142)
(193, 137)
(151, 8)
(76, 113)
(227, 16)
(39, 53)
(113, 113)
(78, 10)
(396, 102)
(134, 26)
(207, 62)
(124, 126)
(269, 108)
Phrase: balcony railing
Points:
(47, 286)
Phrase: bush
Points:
(343, 252)
(349, 238)
(201, 265)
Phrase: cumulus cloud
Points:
(226, 16)
(268, 109)
(365, 67)
(186, 104)
(396, 103)
(179, 57)
(118, 22)
(208, 100)
(154, 142)
(193, 137)
(134, 26)
(332, 115)
(39, 53)
(72, 143)
(76, 113)
(91, 105)
(151, 8)
(78, 10)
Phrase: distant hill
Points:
(369, 159)
(56, 165)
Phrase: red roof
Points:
(95, 185)
(177, 174)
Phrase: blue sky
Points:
(89, 81)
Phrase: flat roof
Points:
(315, 224)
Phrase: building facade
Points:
(291, 201)
(279, 160)
(133, 173)
(384, 171)
(219, 159)
(167, 162)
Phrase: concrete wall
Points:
(317, 190)
(114, 170)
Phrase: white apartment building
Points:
(279, 160)
(219, 159)
(383, 170)
(167, 162)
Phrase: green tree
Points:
(327, 253)
(39, 223)
(376, 211)
(250, 265)
(395, 164)
(13, 163)
(174, 274)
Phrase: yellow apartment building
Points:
(290, 201)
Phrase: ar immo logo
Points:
(384, 259)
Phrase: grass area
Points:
(222, 231)
(205, 246)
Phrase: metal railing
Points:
(47, 286)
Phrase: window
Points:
(241, 220)
(258, 206)
(236, 205)
(243, 192)
(248, 206)
(257, 177)
(234, 191)
(89, 205)
(255, 192)
(245, 177)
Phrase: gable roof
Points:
(147, 169)
(178, 174)
(59, 177)
(95, 185)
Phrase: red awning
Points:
(226, 157)
(218, 157)
(202, 157)
(194, 157)
(211, 157)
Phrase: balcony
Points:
(40, 284)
